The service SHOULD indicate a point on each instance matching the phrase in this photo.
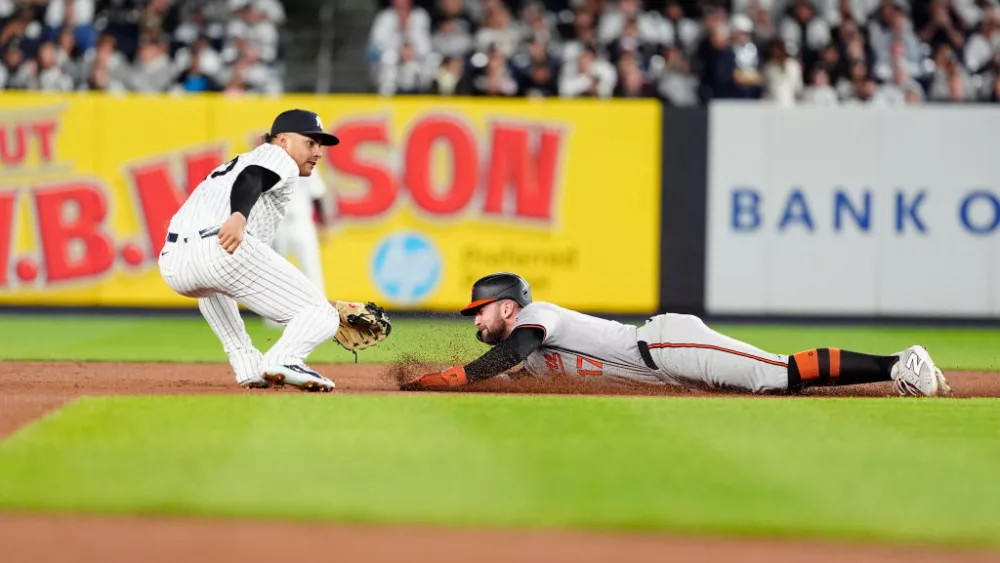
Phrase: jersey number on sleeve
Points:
(229, 168)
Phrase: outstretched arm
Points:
(500, 358)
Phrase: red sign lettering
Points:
(6, 232)
(13, 151)
(381, 183)
(16, 139)
(423, 138)
(45, 132)
(73, 213)
(158, 194)
(531, 175)
(520, 173)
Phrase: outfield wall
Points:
(618, 207)
(853, 211)
(430, 195)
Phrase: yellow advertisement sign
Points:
(429, 195)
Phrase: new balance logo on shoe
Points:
(915, 362)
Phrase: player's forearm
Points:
(505, 355)
(249, 185)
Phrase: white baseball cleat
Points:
(916, 375)
(298, 376)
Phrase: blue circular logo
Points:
(406, 267)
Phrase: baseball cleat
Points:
(916, 375)
(298, 376)
(255, 383)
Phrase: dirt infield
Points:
(29, 390)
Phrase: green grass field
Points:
(188, 339)
(897, 470)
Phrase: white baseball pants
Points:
(689, 353)
(262, 280)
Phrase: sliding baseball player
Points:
(669, 349)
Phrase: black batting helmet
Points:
(495, 287)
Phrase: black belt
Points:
(204, 233)
(647, 358)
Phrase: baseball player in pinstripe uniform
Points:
(218, 251)
(669, 349)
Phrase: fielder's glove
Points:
(451, 377)
(362, 325)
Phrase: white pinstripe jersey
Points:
(579, 345)
(208, 205)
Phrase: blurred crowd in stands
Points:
(231, 46)
(686, 52)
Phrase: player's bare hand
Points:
(231, 232)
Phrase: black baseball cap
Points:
(303, 122)
(494, 287)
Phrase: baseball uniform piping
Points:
(719, 349)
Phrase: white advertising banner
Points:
(853, 211)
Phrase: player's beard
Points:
(491, 335)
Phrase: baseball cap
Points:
(303, 122)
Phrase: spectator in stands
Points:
(253, 24)
(944, 26)
(198, 25)
(68, 55)
(537, 24)
(849, 87)
(24, 27)
(901, 90)
(199, 68)
(152, 71)
(527, 65)
(803, 32)
(540, 82)
(676, 84)
(75, 15)
(748, 81)
(629, 44)
(631, 81)
(14, 72)
(496, 79)
(676, 29)
(114, 68)
(950, 81)
(44, 73)
(458, 11)
(984, 45)
(820, 92)
(891, 37)
(834, 67)
(835, 12)
(452, 79)
(400, 23)
(498, 31)
(588, 76)
(584, 35)
(782, 75)
(451, 38)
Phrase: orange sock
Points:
(820, 366)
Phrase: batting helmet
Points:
(495, 287)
